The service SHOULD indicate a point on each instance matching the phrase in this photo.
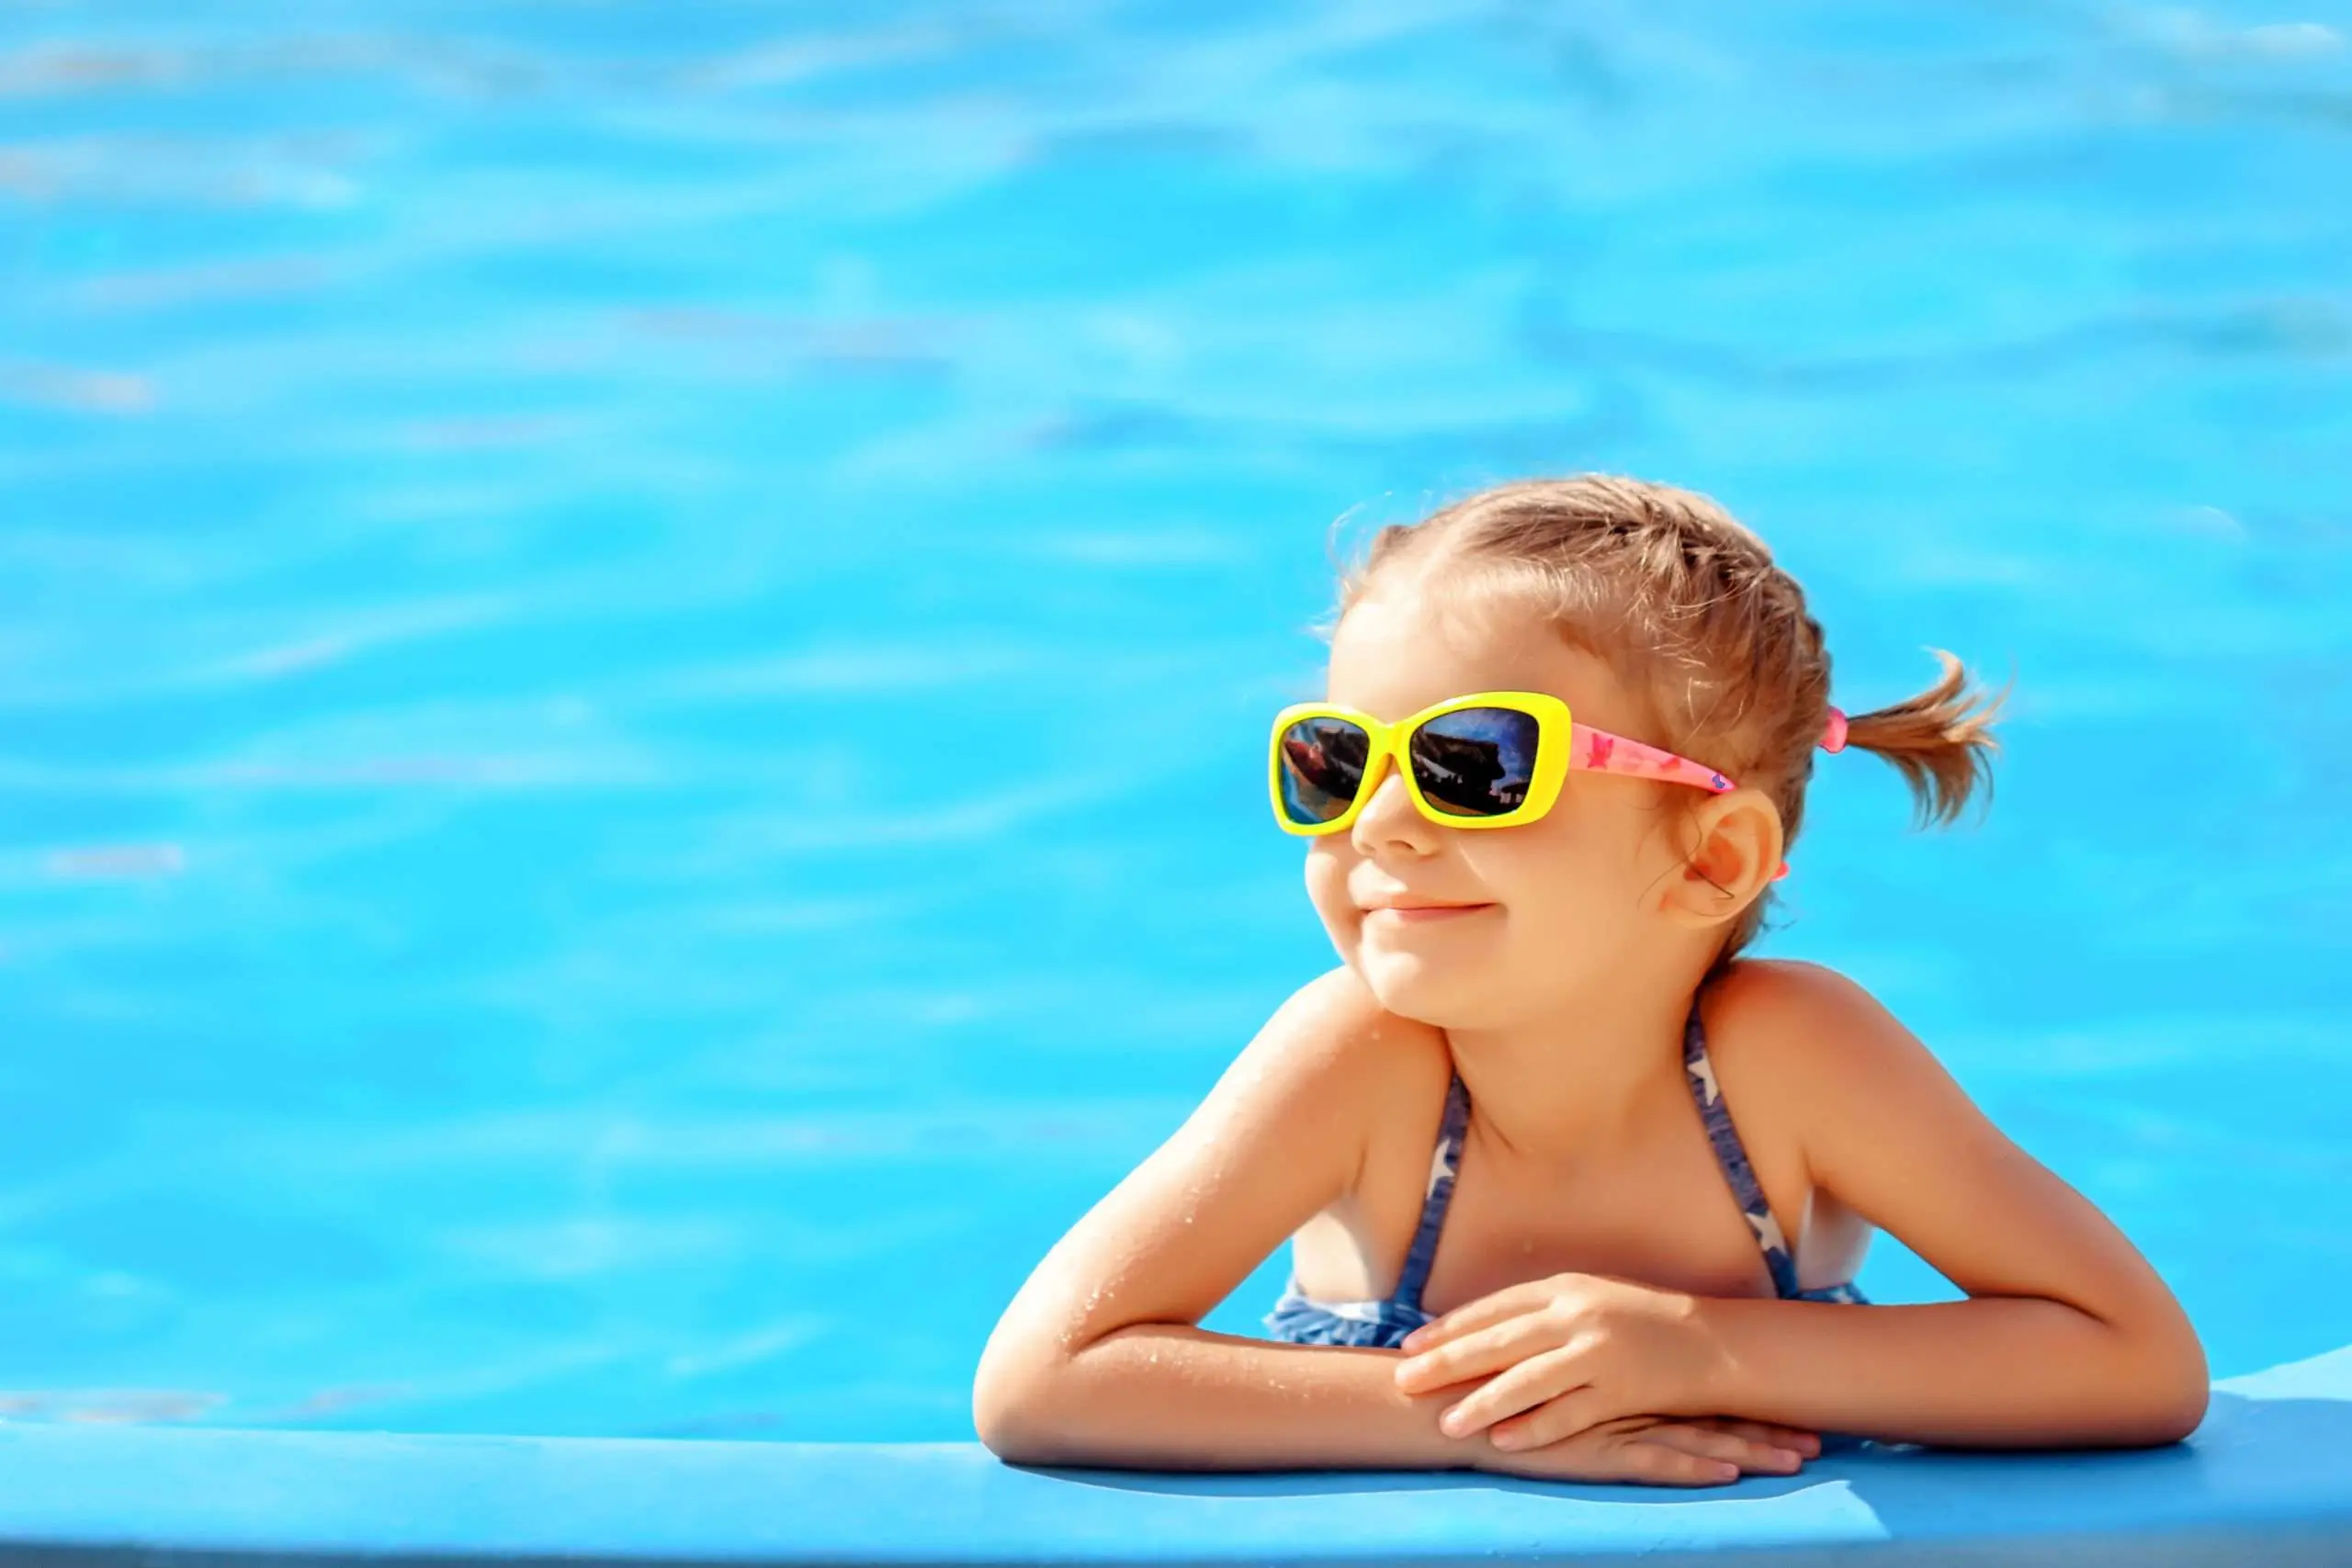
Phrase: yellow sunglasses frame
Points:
(1555, 740)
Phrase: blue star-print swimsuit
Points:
(1384, 1323)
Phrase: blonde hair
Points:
(1690, 609)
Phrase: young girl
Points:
(1569, 729)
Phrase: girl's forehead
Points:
(1404, 650)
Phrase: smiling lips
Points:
(1416, 911)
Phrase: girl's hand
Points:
(1660, 1450)
(1560, 1355)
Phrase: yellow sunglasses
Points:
(1488, 760)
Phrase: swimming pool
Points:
(501, 507)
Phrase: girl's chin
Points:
(1441, 993)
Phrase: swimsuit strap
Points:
(1733, 1156)
(1443, 1164)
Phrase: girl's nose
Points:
(1389, 817)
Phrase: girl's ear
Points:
(1732, 848)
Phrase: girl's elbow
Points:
(1008, 1429)
(1008, 1406)
(1021, 1399)
(2187, 1394)
(2183, 1415)
(2175, 1384)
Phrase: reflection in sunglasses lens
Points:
(1475, 762)
(1322, 769)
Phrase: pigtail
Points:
(1941, 740)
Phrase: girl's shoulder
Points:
(1787, 1007)
(1333, 1040)
(1787, 1037)
(1341, 1029)
(1777, 1016)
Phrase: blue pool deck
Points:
(2265, 1479)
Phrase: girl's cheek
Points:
(1327, 889)
(1523, 865)
(1573, 848)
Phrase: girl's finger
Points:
(1502, 1343)
(1554, 1420)
(1754, 1456)
(1640, 1460)
(1766, 1432)
(1536, 1381)
(1510, 1301)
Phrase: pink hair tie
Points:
(1833, 734)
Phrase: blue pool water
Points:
(633, 638)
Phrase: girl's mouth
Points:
(1426, 913)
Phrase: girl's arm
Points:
(2069, 1337)
(1096, 1361)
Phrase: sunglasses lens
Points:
(1475, 762)
(1322, 768)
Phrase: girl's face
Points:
(1547, 909)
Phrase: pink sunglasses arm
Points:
(1606, 753)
